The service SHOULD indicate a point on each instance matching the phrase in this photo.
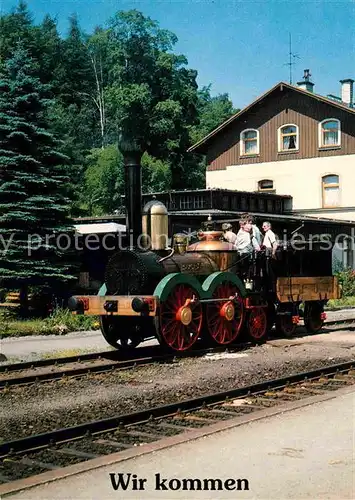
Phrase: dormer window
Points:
(266, 185)
(288, 138)
(249, 142)
(329, 133)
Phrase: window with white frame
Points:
(329, 133)
(330, 191)
(288, 138)
(249, 142)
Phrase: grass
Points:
(335, 304)
(61, 322)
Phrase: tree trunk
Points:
(24, 301)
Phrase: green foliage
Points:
(213, 111)
(104, 180)
(345, 302)
(77, 77)
(48, 52)
(151, 96)
(62, 321)
(156, 174)
(33, 184)
(347, 281)
(18, 25)
(16, 328)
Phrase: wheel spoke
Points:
(224, 329)
(257, 324)
(177, 335)
(169, 329)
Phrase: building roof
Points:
(200, 146)
(234, 215)
(214, 189)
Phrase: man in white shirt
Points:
(256, 236)
(255, 231)
(246, 242)
(270, 241)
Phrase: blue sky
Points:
(241, 47)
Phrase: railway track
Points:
(21, 374)
(76, 366)
(99, 364)
(39, 453)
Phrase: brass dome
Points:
(210, 241)
(155, 207)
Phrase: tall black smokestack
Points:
(132, 156)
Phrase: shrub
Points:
(347, 281)
(63, 321)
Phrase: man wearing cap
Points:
(229, 235)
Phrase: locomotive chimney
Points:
(132, 155)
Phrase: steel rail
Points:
(54, 361)
(76, 372)
(114, 363)
(39, 441)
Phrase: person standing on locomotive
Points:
(245, 246)
(256, 234)
(228, 234)
(270, 240)
(254, 230)
(270, 244)
(246, 241)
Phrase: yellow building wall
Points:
(302, 179)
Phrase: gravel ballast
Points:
(43, 407)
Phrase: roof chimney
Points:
(306, 83)
(347, 91)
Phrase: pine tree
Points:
(18, 25)
(48, 53)
(32, 184)
(78, 73)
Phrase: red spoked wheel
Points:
(180, 321)
(257, 323)
(224, 319)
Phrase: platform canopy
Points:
(100, 228)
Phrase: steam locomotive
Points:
(203, 290)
